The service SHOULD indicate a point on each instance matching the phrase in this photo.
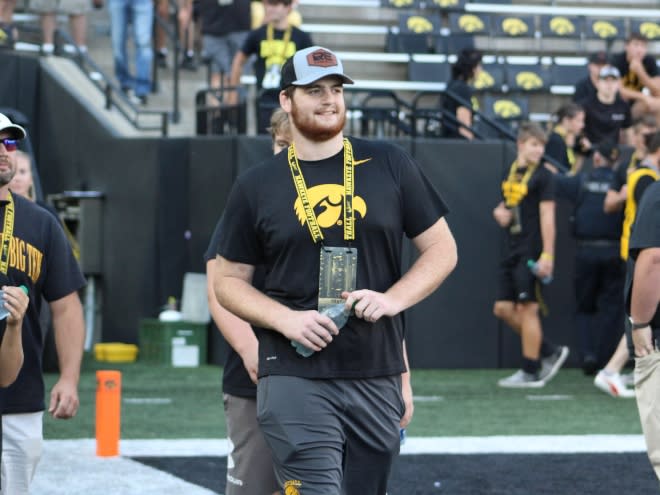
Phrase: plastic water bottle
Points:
(337, 313)
(402, 436)
(534, 268)
(4, 312)
(170, 313)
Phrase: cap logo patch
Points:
(321, 58)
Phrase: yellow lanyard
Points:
(7, 233)
(270, 36)
(633, 163)
(514, 191)
(349, 189)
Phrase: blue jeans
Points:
(140, 14)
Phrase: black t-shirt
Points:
(265, 225)
(541, 187)
(235, 378)
(556, 148)
(273, 52)
(221, 17)
(604, 121)
(629, 79)
(621, 171)
(584, 89)
(40, 258)
(450, 105)
(645, 234)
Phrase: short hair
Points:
(569, 110)
(285, 2)
(464, 66)
(528, 130)
(636, 36)
(652, 141)
(279, 123)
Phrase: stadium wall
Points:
(164, 196)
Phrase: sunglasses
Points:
(9, 144)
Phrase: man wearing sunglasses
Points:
(34, 252)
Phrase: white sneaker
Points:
(521, 379)
(628, 379)
(551, 365)
(611, 384)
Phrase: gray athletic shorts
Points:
(331, 436)
(249, 464)
(69, 7)
(220, 50)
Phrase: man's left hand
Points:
(64, 400)
(370, 305)
(407, 393)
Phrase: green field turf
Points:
(448, 403)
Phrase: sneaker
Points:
(628, 379)
(550, 365)
(161, 59)
(188, 63)
(521, 379)
(611, 384)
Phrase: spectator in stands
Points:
(606, 114)
(186, 34)
(459, 103)
(643, 304)
(563, 139)
(8, 32)
(639, 72)
(49, 9)
(599, 270)
(225, 25)
(527, 214)
(57, 278)
(273, 43)
(141, 15)
(586, 88)
(617, 193)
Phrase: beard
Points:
(7, 176)
(313, 130)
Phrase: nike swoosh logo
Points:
(360, 162)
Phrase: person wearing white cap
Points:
(41, 260)
(327, 219)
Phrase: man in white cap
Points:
(34, 252)
(327, 219)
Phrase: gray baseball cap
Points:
(609, 71)
(7, 125)
(311, 64)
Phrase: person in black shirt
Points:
(616, 195)
(527, 213)
(606, 115)
(457, 113)
(330, 209)
(643, 304)
(586, 88)
(563, 138)
(638, 71)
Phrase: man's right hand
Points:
(502, 215)
(309, 328)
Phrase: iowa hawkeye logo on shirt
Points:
(26, 258)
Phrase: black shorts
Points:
(516, 281)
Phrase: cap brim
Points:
(17, 131)
(313, 79)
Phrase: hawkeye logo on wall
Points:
(484, 80)
(604, 29)
(507, 109)
(329, 198)
(446, 3)
(650, 30)
(401, 3)
(513, 26)
(562, 26)
(418, 24)
(470, 23)
(528, 80)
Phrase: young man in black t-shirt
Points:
(643, 303)
(527, 213)
(273, 43)
(40, 258)
(639, 71)
(606, 114)
(332, 418)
